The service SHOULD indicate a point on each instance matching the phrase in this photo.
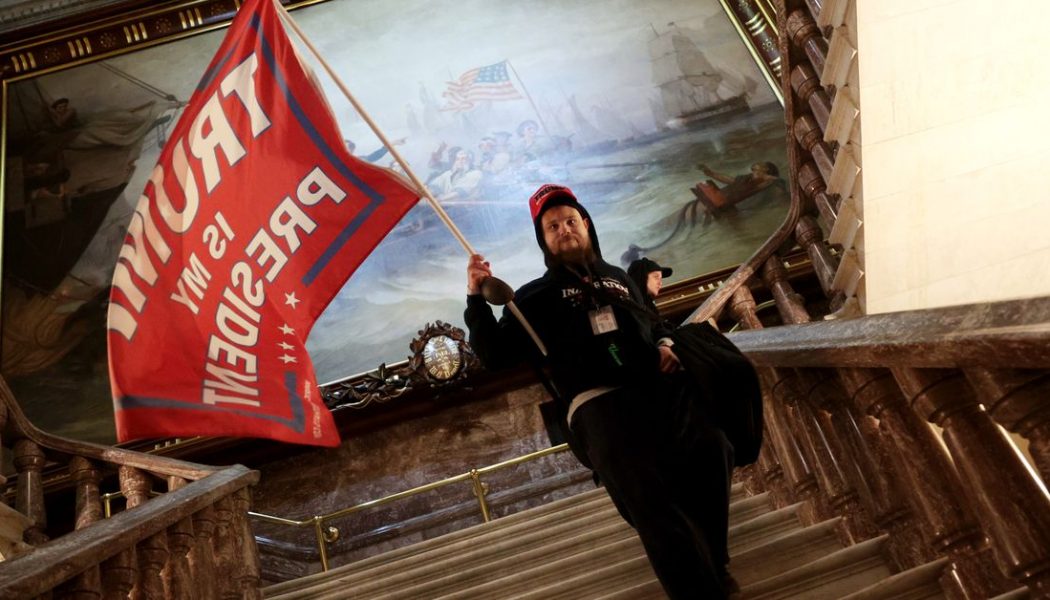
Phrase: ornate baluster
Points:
(815, 6)
(891, 510)
(924, 471)
(87, 585)
(837, 466)
(226, 549)
(248, 556)
(178, 583)
(1014, 513)
(808, 135)
(120, 573)
(791, 307)
(152, 553)
(803, 32)
(811, 238)
(743, 309)
(807, 85)
(202, 555)
(813, 187)
(803, 466)
(1016, 399)
(29, 462)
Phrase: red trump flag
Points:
(253, 218)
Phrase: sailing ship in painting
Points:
(692, 90)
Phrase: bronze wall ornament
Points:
(441, 356)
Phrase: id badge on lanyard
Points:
(603, 320)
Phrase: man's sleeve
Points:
(497, 344)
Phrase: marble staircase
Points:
(579, 548)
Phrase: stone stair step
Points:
(501, 558)
(737, 491)
(833, 576)
(611, 577)
(649, 590)
(452, 557)
(788, 551)
(760, 530)
(548, 576)
(749, 507)
(567, 510)
(918, 583)
(594, 505)
(575, 531)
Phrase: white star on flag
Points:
(287, 359)
(291, 300)
(286, 345)
(286, 330)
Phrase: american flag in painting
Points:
(491, 82)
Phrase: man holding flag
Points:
(254, 217)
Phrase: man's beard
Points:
(580, 256)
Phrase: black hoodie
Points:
(558, 306)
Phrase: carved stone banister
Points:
(804, 474)
(925, 473)
(807, 85)
(789, 303)
(815, 189)
(882, 498)
(202, 555)
(1018, 400)
(1014, 513)
(808, 135)
(29, 462)
(33, 574)
(178, 578)
(803, 32)
(831, 458)
(715, 302)
(811, 238)
(88, 510)
(815, 8)
(159, 465)
(1010, 334)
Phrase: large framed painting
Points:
(654, 112)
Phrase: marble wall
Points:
(956, 138)
(475, 432)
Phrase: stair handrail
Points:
(325, 535)
(33, 574)
(74, 560)
(1012, 334)
(713, 305)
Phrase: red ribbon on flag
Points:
(254, 218)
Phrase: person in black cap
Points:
(649, 277)
(622, 394)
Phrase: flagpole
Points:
(543, 123)
(421, 187)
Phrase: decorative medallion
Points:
(440, 356)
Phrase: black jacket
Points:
(557, 306)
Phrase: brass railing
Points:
(328, 534)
